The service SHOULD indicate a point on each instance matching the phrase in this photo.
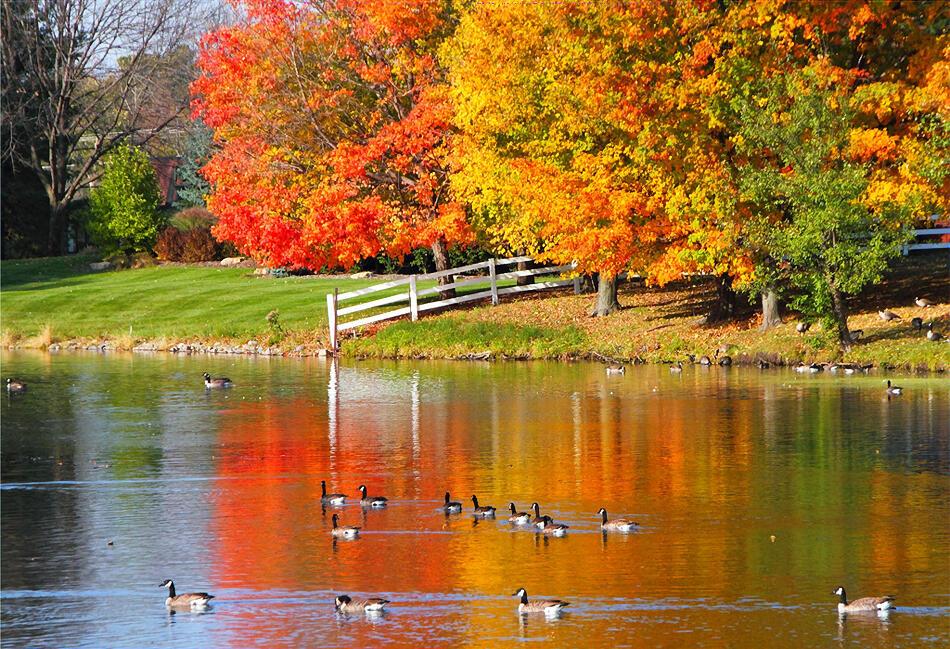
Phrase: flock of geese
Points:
(345, 604)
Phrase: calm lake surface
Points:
(220, 491)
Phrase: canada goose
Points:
(887, 316)
(923, 302)
(330, 499)
(893, 389)
(802, 327)
(616, 369)
(917, 323)
(217, 382)
(185, 600)
(551, 528)
(345, 531)
(546, 606)
(15, 387)
(485, 512)
(375, 501)
(763, 365)
(451, 507)
(856, 335)
(725, 361)
(346, 604)
(616, 525)
(863, 605)
(538, 519)
(808, 369)
(704, 360)
(518, 518)
(676, 367)
(847, 368)
(931, 334)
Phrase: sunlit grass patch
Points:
(450, 337)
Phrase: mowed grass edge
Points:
(59, 299)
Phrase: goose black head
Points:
(342, 599)
(166, 584)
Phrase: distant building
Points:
(166, 170)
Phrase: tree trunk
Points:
(770, 314)
(440, 252)
(525, 281)
(606, 296)
(56, 238)
(588, 284)
(839, 306)
(724, 308)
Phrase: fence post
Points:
(577, 285)
(413, 299)
(494, 281)
(331, 318)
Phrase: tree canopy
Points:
(783, 146)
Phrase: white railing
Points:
(413, 294)
(928, 245)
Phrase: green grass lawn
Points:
(161, 301)
(63, 297)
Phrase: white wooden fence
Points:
(927, 245)
(413, 294)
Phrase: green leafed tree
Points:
(811, 213)
(124, 206)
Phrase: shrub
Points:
(191, 218)
(123, 208)
(199, 245)
(122, 261)
(170, 244)
(192, 245)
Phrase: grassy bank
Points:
(55, 300)
(46, 300)
(660, 325)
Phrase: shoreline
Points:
(57, 305)
(254, 348)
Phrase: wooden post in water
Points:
(494, 281)
(331, 318)
(413, 299)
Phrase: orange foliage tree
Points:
(884, 69)
(610, 134)
(557, 113)
(332, 122)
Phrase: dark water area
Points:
(220, 491)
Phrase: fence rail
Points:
(927, 245)
(413, 294)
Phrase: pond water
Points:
(220, 491)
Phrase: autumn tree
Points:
(888, 64)
(560, 110)
(333, 121)
(813, 199)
